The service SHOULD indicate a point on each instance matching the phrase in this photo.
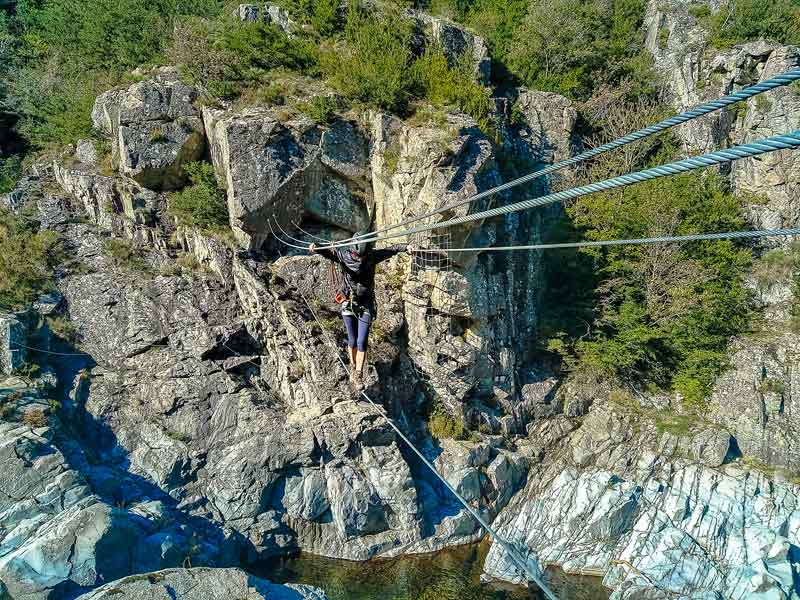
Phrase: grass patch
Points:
(126, 255)
(677, 425)
(179, 437)
(10, 172)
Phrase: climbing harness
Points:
(701, 110)
(521, 563)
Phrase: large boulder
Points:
(117, 204)
(551, 122)
(56, 535)
(287, 170)
(154, 129)
(754, 399)
(200, 584)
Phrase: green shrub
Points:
(263, 46)
(371, 63)
(10, 172)
(28, 259)
(574, 47)
(202, 204)
(739, 21)
(660, 315)
(229, 56)
(442, 425)
(68, 51)
(443, 86)
(322, 15)
(700, 11)
(319, 109)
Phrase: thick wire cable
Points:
(698, 111)
(512, 552)
(725, 235)
(773, 144)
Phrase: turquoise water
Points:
(449, 575)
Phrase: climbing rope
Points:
(43, 351)
(775, 143)
(701, 110)
(516, 557)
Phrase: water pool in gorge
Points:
(452, 574)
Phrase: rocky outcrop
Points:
(271, 13)
(694, 75)
(154, 129)
(620, 498)
(117, 204)
(285, 170)
(200, 584)
(56, 535)
(551, 124)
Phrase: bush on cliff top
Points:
(739, 21)
(202, 204)
(370, 63)
(65, 52)
(28, 259)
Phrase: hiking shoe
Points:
(358, 380)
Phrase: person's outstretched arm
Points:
(324, 252)
(379, 256)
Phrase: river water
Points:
(453, 574)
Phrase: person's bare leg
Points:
(353, 353)
(361, 358)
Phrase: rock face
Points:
(12, 342)
(154, 129)
(615, 497)
(678, 43)
(277, 170)
(57, 535)
(200, 584)
(116, 204)
(218, 420)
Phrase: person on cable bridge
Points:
(356, 265)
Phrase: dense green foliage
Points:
(28, 259)
(444, 86)
(739, 21)
(660, 314)
(371, 62)
(573, 47)
(10, 170)
(202, 204)
(67, 51)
